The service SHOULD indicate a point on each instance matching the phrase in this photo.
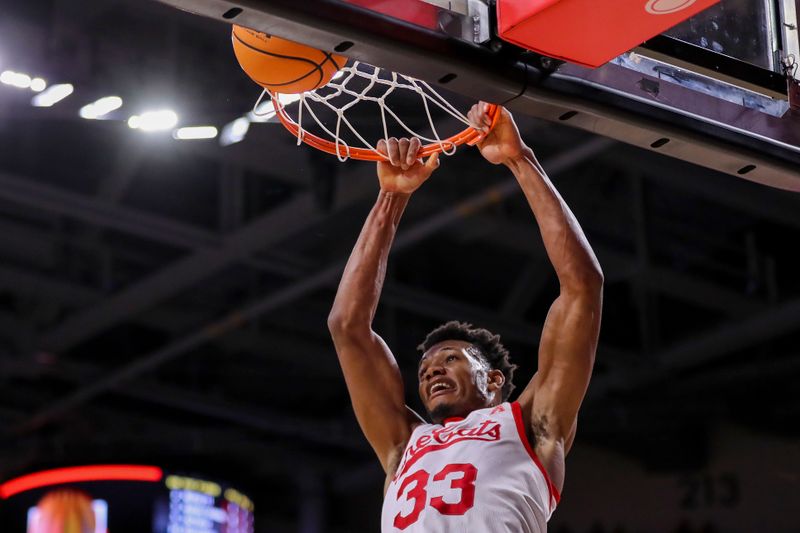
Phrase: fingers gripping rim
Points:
(469, 136)
(494, 113)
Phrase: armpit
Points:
(540, 429)
(392, 463)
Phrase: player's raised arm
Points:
(370, 370)
(569, 337)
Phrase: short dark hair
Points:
(487, 343)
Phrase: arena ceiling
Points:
(165, 301)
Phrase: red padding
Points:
(589, 32)
(414, 11)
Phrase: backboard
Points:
(710, 91)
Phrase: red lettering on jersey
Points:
(498, 409)
(444, 437)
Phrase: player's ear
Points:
(496, 380)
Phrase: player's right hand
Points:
(404, 171)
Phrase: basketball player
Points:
(483, 465)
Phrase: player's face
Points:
(453, 380)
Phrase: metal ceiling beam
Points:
(535, 276)
(28, 192)
(780, 207)
(705, 348)
(107, 214)
(322, 432)
(405, 297)
(268, 230)
(17, 280)
(621, 265)
(510, 329)
(491, 196)
(123, 432)
(169, 319)
(127, 162)
(757, 371)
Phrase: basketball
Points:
(283, 66)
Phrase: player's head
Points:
(462, 369)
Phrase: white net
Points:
(361, 83)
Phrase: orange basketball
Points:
(283, 66)
(64, 511)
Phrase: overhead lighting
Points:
(195, 132)
(101, 107)
(52, 95)
(161, 120)
(38, 85)
(234, 132)
(287, 99)
(15, 79)
(265, 111)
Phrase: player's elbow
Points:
(337, 322)
(343, 324)
(588, 281)
(595, 279)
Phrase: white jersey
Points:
(477, 474)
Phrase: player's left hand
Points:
(503, 143)
(404, 171)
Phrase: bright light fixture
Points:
(164, 119)
(15, 79)
(263, 113)
(234, 132)
(52, 95)
(195, 132)
(101, 107)
(287, 99)
(266, 110)
(38, 85)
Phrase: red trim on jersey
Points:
(452, 419)
(523, 435)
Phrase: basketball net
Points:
(341, 95)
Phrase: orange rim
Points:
(469, 136)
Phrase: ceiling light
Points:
(234, 132)
(263, 113)
(15, 79)
(195, 132)
(164, 119)
(101, 107)
(52, 95)
(38, 85)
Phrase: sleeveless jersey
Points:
(471, 475)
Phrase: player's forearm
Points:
(567, 247)
(360, 288)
